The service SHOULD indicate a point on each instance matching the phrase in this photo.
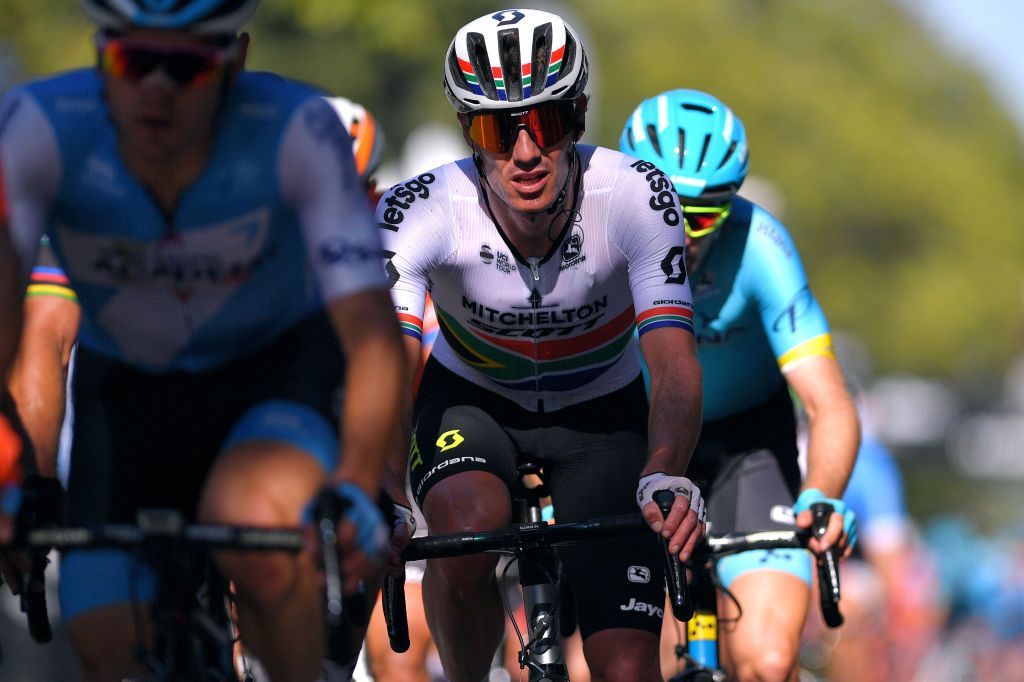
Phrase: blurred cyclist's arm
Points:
(38, 378)
(374, 384)
(343, 250)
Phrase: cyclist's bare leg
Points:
(105, 640)
(764, 645)
(280, 609)
(622, 655)
(460, 595)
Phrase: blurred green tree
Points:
(898, 169)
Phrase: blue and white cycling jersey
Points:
(276, 224)
(754, 314)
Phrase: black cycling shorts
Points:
(148, 440)
(592, 454)
(746, 467)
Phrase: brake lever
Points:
(675, 572)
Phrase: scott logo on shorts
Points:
(403, 197)
(449, 439)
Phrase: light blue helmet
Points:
(216, 17)
(694, 139)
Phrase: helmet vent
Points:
(481, 64)
(697, 107)
(682, 147)
(652, 133)
(630, 139)
(540, 59)
(511, 71)
(704, 152)
(456, 71)
(569, 58)
(728, 154)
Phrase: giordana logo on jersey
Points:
(403, 196)
(664, 199)
(638, 574)
(572, 249)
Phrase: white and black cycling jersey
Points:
(543, 332)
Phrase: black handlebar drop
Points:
(329, 508)
(828, 567)
(393, 598)
(675, 572)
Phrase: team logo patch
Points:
(572, 248)
(449, 439)
(638, 574)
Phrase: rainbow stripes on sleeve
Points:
(664, 316)
(50, 281)
(816, 345)
(411, 325)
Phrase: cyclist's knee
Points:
(626, 669)
(621, 655)
(468, 501)
(772, 663)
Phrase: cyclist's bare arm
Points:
(676, 396)
(11, 297)
(374, 384)
(395, 468)
(834, 432)
(374, 374)
(39, 375)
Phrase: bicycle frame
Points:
(534, 541)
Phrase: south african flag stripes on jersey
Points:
(665, 316)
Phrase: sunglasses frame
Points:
(216, 57)
(722, 211)
(507, 127)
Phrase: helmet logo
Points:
(514, 16)
(158, 5)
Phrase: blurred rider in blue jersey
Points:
(760, 332)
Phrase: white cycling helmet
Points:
(367, 138)
(513, 59)
(210, 17)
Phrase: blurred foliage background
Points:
(899, 172)
(893, 165)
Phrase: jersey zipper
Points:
(534, 262)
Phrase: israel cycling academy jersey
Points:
(256, 244)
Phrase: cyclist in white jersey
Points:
(541, 256)
(212, 224)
